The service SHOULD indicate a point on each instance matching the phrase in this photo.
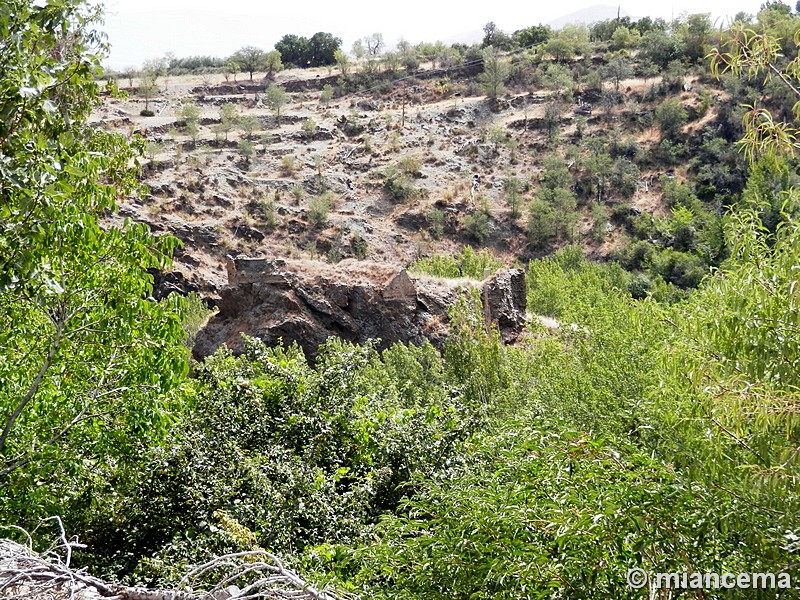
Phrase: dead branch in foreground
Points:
(251, 575)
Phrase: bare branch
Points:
(25, 574)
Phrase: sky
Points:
(139, 30)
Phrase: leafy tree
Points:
(229, 117)
(661, 47)
(531, 36)
(231, 69)
(272, 63)
(358, 49)
(249, 124)
(625, 177)
(617, 69)
(342, 61)
(275, 98)
(512, 187)
(624, 38)
(552, 118)
(326, 95)
(495, 72)
(295, 50)
(250, 59)
(148, 88)
(671, 116)
(599, 222)
(695, 34)
(569, 41)
(492, 36)
(85, 356)
(558, 78)
(541, 223)
(322, 48)
(560, 49)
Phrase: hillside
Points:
(401, 167)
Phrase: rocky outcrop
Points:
(307, 302)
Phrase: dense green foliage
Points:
(86, 360)
(644, 427)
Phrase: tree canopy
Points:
(318, 51)
(86, 358)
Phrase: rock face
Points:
(307, 302)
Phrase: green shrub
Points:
(476, 226)
(359, 246)
(399, 185)
(435, 219)
(319, 209)
(467, 263)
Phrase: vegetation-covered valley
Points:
(642, 173)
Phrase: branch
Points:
(36, 382)
(25, 574)
(27, 457)
(783, 78)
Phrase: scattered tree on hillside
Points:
(128, 73)
(319, 51)
(228, 118)
(275, 98)
(617, 69)
(671, 116)
(250, 59)
(231, 69)
(568, 42)
(492, 36)
(531, 36)
(624, 38)
(374, 44)
(272, 63)
(294, 50)
(342, 61)
(148, 82)
(495, 73)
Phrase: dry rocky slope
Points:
(252, 192)
(309, 301)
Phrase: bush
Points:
(467, 263)
(409, 165)
(435, 219)
(319, 210)
(399, 185)
(476, 226)
(147, 113)
(359, 246)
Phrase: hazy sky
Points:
(142, 29)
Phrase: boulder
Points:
(309, 301)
